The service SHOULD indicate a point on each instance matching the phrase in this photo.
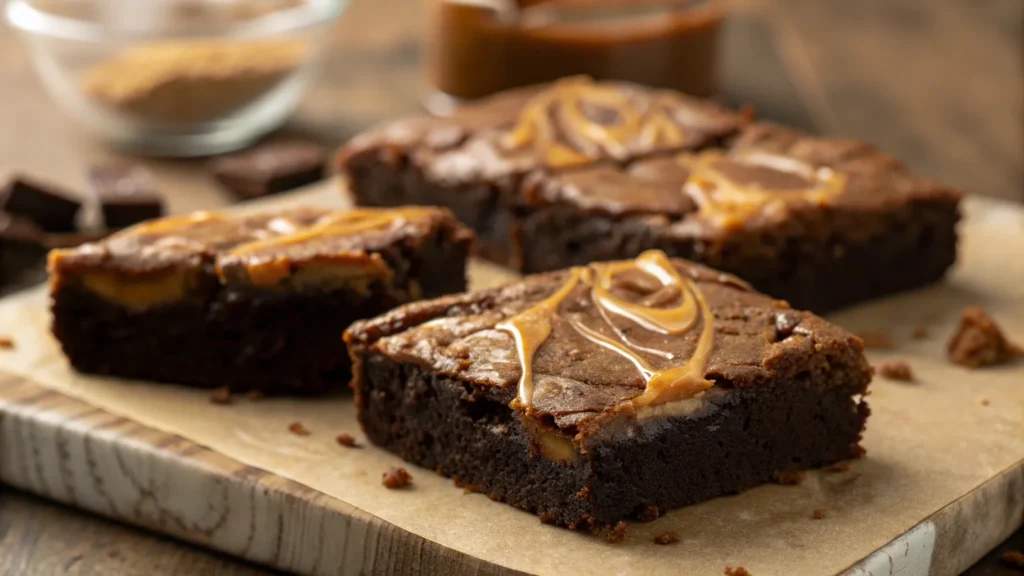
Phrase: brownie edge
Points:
(439, 384)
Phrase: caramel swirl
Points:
(532, 327)
(730, 203)
(561, 108)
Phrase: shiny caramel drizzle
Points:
(730, 203)
(536, 123)
(532, 327)
(265, 267)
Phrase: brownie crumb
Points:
(666, 538)
(649, 514)
(298, 429)
(978, 341)
(6, 342)
(254, 395)
(896, 370)
(736, 571)
(346, 440)
(985, 401)
(840, 467)
(876, 340)
(221, 396)
(818, 513)
(920, 332)
(859, 451)
(618, 533)
(396, 478)
(789, 477)
(1013, 558)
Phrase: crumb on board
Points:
(876, 340)
(736, 571)
(666, 538)
(1013, 558)
(396, 478)
(221, 396)
(978, 341)
(985, 401)
(790, 477)
(298, 429)
(896, 370)
(840, 467)
(920, 332)
(254, 395)
(617, 533)
(346, 440)
(818, 513)
(6, 342)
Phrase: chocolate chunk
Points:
(127, 194)
(270, 168)
(50, 208)
(21, 246)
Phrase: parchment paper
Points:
(928, 442)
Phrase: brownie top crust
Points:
(622, 150)
(161, 259)
(640, 338)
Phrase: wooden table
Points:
(939, 84)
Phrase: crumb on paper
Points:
(896, 370)
(876, 340)
(254, 395)
(617, 533)
(818, 513)
(840, 467)
(1013, 558)
(6, 342)
(298, 429)
(920, 332)
(985, 401)
(790, 477)
(396, 478)
(346, 440)
(221, 396)
(978, 341)
(650, 514)
(666, 538)
(736, 571)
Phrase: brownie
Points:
(256, 302)
(581, 171)
(612, 391)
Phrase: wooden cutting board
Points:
(942, 484)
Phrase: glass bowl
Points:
(176, 77)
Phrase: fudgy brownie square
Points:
(610, 391)
(254, 302)
(580, 171)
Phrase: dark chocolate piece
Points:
(21, 247)
(126, 193)
(270, 168)
(52, 209)
(581, 172)
(249, 302)
(604, 392)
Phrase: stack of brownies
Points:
(618, 380)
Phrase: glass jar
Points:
(479, 47)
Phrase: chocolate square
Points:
(126, 193)
(270, 168)
(52, 209)
(21, 247)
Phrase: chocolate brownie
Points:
(253, 302)
(579, 172)
(611, 391)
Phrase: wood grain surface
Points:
(937, 83)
